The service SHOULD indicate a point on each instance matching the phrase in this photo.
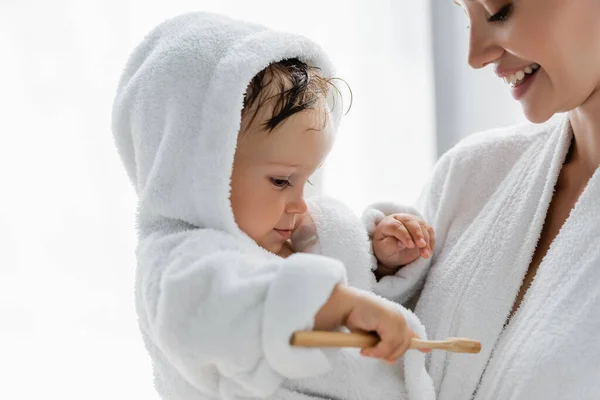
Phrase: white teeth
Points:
(520, 75)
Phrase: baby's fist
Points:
(399, 239)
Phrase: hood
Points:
(177, 113)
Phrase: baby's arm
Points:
(223, 318)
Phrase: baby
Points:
(220, 124)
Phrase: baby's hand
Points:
(399, 239)
(362, 312)
(374, 315)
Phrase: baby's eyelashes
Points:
(280, 182)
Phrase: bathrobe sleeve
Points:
(223, 318)
(334, 230)
(409, 279)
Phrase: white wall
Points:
(386, 147)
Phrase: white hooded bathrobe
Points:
(216, 311)
(488, 200)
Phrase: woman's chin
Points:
(536, 115)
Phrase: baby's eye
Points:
(501, 15)
(280, 183)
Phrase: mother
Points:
(517, 215)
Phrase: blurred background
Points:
(68, 328)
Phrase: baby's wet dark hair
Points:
(289, 86)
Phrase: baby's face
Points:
(270, 171)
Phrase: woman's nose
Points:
(483, 49)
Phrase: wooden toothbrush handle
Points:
(364, 340)
(333, 339)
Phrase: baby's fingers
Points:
(431, 238)
(383, 350)
(425, 251)
(403, 347)
(429, 234)
(416, 232)
(399, 231)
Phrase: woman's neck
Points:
(585, 121)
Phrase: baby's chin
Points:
(270, 245)
(280, 248)
(266, 241)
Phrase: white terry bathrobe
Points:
(488, 200)
(216, 311)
